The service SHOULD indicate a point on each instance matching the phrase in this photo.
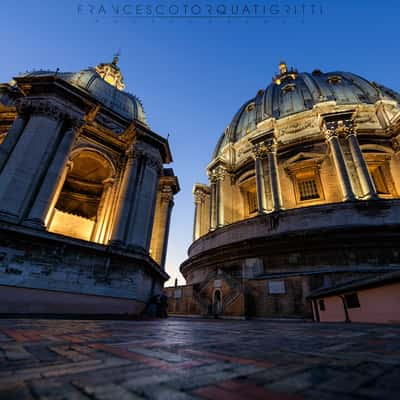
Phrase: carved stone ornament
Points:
(396, 143)
(364, 117)
(219, 173)
(213, 177)
(130, 153)
(166, 194)
(199, 196)
(260, 150)
(297, 127)
(153, 159)
(46, 107)
(109, 124)
(339, 128)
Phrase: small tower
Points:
(111, 73)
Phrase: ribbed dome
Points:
(123, 103)
(292, 92)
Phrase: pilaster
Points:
(30, 159)
(144, 200)
(58, 170)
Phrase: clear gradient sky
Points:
(193, 74)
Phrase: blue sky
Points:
(193, 74)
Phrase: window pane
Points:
(308, 189)
(252, 200)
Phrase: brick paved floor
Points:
(197, 359)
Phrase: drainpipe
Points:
(316, 311)
(346, 312)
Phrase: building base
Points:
(45, 273)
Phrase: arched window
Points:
(249, 194)
(83, 203)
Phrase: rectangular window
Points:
(252, 201)
(352, 300)
(308, 189)
(321, 304)
(276, 287)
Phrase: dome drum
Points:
(304, 188)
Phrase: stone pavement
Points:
(197, 359)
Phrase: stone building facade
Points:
(303, 193)
(85, 199)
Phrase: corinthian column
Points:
(198, 201)
(50, 212)
(367, 185)
(213, 202)
(166, 232)
(220, 176)
(27, 165)
(125, 199)
(48, 193)
(162, 218)
(276, 194)
(144, 202)
(260, 155)
(13, 134)
(332, 138)
(103, 212)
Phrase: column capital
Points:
(259, 150)
(154, 163)
(108, 182)
(329, 130)
(199, 196)
(166, 194)
(69, 165)
(218, 174)
(152, 157)
(262, 149)
(22, 106)
(130, 153)
(345, 128)
(396, 143)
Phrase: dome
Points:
(105, 84)
(123, 103)
(292, 92)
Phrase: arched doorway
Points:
(83, 206)
(217, 302)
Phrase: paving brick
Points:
(69, 353)
(163, 392)
(217, 393)
(46, 390)
(212, 378)
(15, 352)
(293, 384)
(106, 391)
(15, 391)
(206, 359)
(219, 356)
(160, 354)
